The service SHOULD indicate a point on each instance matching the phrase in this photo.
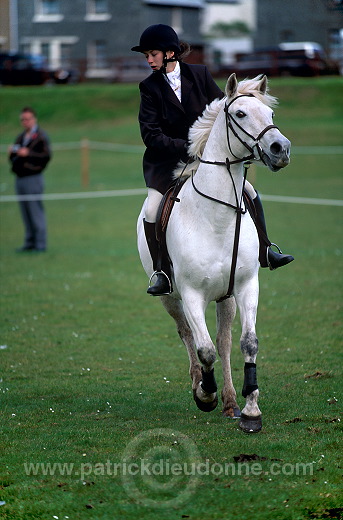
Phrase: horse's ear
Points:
(263, 85)
(231, 86)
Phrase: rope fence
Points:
(132, 148)
(85, 146)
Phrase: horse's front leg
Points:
(205, 394)
(174, 308)
(247, 299)
(226, 311)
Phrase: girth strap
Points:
(239, 212)
(234, 258)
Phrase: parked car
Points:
(286, 59)
(304, 59)
(22, 69)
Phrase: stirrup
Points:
(277, 247)
(162, 293)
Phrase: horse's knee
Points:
(249, 346)
(207, 357)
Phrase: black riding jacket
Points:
(165, 121)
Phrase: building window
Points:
(181, 3)
(57, 50)
(45, 51)
(97, 11)
(176, 20)
(66, 55)
(336, 45)
(100, 6)
(100, 54)
(47, 11)
(50, 7)
(98, 62)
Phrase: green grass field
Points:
(93, 376)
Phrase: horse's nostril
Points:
(275, 148)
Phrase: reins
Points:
(238, 207)
(230, 121)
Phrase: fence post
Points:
(84, 162)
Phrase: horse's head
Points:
(251, 132)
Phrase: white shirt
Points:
(174, 80)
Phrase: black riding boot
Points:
(162, 284)
(267, 257)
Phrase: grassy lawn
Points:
(92, 373)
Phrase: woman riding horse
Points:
(172, 98)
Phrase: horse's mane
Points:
(201, 128)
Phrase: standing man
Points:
(29, 156)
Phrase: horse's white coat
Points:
(200, 238)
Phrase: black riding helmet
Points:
(159, 37)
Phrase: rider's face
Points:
(155, 59)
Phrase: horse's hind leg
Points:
(174, 308)
(226, 311)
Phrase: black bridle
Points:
(231, 123)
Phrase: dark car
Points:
(286, 59)
(23, 69)
(304, 59)
(259, 62)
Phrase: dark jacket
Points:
(165, 122)
(38, 158)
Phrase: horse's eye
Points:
(240, 114)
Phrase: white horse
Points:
(200, 240)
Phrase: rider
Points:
(172, 98)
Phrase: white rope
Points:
(143, 191)
(131, 148)
(75, 195)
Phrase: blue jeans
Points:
(32, 211)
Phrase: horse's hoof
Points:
(232, 412)
(250, 424)
(205, 407)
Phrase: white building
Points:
(221, 50)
